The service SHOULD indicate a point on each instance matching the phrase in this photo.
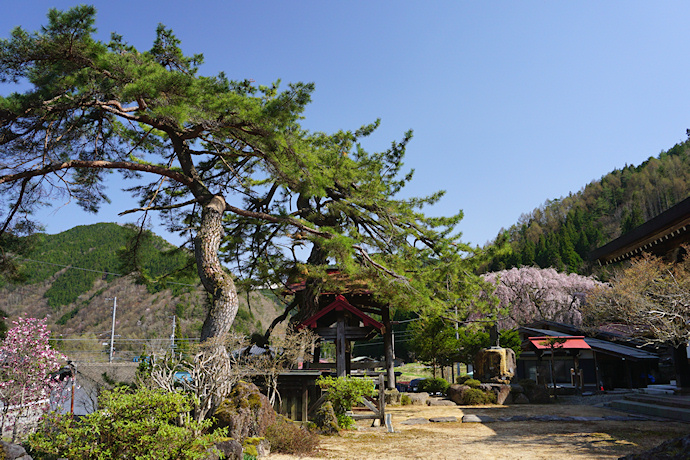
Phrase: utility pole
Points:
(172, 336)
(73, 370)
(112, 331)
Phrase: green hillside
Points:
(73, 276)
(100, 249)
(562, 232)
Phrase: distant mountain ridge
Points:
(563, 232)
(72, 278)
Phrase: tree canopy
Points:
(649, 299)
(225, 163)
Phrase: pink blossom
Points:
(529, 294)
(26, 363)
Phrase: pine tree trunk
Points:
(217, 282)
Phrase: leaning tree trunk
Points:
(217, 282)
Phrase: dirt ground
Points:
(514, 440)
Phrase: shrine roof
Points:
(669, 229)
(569, 342)
(341, 304)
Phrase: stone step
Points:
(661, 400)
(674, 413)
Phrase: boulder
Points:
(230, 450)
(502, 393)
(455, 392)
(520, 398)
(418, 398)
(393, 396)
(325, 419)
(538, 394)
(13, 452)
(246, 412)
(439, 402)
(516, 388)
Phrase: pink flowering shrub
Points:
(26, 363)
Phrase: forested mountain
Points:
(73, 277)
(562, 232)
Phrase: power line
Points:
(94, 271)
(69, 266)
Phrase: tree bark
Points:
(217, 282)
(680, 361)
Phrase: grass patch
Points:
(411, 371)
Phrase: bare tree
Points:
(285, 353)
(650, 298)
(209, 373)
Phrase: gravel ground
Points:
(576, 428)
(592, 400)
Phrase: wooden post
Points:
(305, 401)
(348, 357)
(340, 358)
(597, 374)
(382, 400)
(317, 354)
(388, 348)
(293, 407)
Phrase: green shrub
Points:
(474, 396)
(146, 424)
(405, 399)
(343, 393)
(345, 421)
(472, 383)
(287, 437)
(461, 379)
(434, 385)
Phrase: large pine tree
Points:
(227, 161)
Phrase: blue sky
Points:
(511, 103)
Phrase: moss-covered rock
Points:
(326, 420)
(246, 412)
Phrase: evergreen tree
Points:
(223, 157)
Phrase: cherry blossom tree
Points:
(530, 294)
(26, 363)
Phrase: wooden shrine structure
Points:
(343, 323)
(345, 319)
